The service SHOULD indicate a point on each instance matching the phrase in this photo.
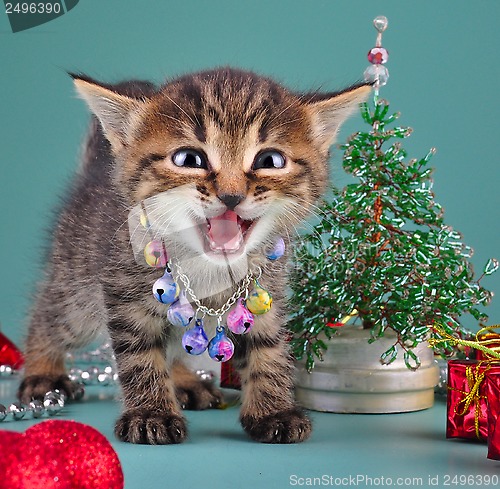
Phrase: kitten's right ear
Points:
(329, 110)
(115, 112)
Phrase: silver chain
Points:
(225, 307)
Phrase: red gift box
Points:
(229, 377)
(490, 340)
(466, 405)
(493, 395)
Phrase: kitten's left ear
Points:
(329, 110)
(116, 112)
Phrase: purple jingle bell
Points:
(277, 251)
(195, 340)
(181, 312)
(220, 348)
(165, 289)
(240, 320)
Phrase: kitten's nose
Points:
(231, 200)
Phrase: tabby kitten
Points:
(224, 142)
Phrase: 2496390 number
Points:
(470, 480)
(33, 8)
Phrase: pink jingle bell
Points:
(155, 254)
(240, 320)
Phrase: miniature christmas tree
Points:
(381, 251)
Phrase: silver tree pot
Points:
(351, 378)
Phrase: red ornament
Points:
(378, 56)
(335, 325)
(9, 353)
(59, 455)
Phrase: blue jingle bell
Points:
(277, 251)
(165, 289)
(195, 340)
(240, 320)
(181, 312)
(220, 348)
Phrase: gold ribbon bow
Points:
(474, 378)
(484, 341)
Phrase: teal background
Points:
(444, 75)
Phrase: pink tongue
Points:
(225, 232)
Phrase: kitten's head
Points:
(236, 158)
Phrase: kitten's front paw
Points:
(291, 426)
(150, 427)
(36, 386)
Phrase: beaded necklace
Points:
(249, 299)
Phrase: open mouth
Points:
(226, 233)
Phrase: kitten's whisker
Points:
(285, 123)
(295, 248)
(311, 208)
(128, 209)
(301, 207)
(155, 206)
(288, 213)
(289, 238)
(291, 222)
(166, 219)
(175, 119)
(291, 216)
(339, 216)
(324, 215)
(312, 230)
(297, 101)
(180, 108)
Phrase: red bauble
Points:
(59, 455)
(10, 354)
(378, 56)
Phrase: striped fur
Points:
(93, 284)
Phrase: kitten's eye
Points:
(269, 159)
(189, 158)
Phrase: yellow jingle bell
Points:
(144, 220)
(259, 300)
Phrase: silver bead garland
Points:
(53, 403)
(94, 375)
(102, 354)
(6, 371)
(108, 376)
